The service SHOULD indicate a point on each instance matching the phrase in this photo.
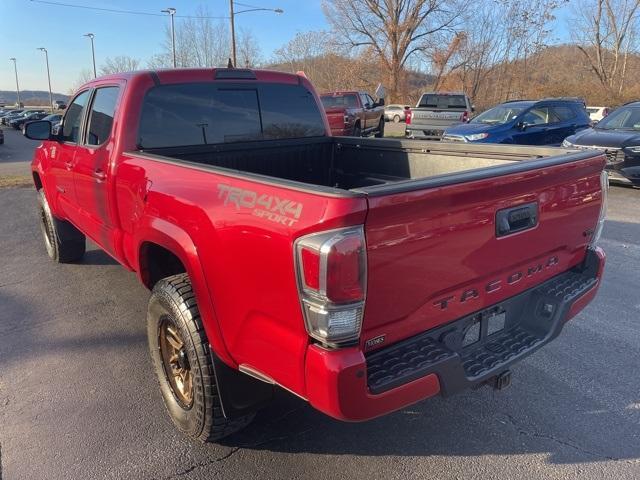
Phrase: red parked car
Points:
(361, 275)
(354, 114)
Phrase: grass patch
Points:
(15, 181)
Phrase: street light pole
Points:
(15, 69)
(93, 52)
(233, 33)
(172, 11)
(232, 16)
(46, 56)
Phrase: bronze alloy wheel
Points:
(176, 362)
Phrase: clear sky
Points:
(27, 25)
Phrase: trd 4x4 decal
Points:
(275, 209)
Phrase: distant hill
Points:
(30, 97)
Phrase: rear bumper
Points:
(349, 385)
(425, 132)
(342, 131)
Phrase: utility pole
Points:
(172, 11)
(93, 52)
(15, 69)
(233, 33)
(232, 17)
(46, 56)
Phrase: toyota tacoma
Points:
(362, 275)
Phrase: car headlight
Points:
(476, 136)
(633, 149)
(566, 144)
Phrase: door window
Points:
(536, 116)
(73, 118)
(564, 114)
(102, 111)
(364, 99)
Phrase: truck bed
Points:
(373, 166)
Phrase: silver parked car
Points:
(395, 113)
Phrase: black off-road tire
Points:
(357, 131)
(64, 242)
(380, 131)
(173, 301)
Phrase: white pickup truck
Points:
(435, 112)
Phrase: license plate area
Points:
(482, 327)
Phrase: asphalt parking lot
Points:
(78, 396)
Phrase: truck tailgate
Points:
(335, 117)
(434, 254)
(435, 117)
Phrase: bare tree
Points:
(300, 52)
(200, 42)
(492, 58)
(606, 33)
(85, 75)
(121, 63)
(394, 30)
(249, 54)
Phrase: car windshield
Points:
(498, 115)
(626, 118)
(339, 101)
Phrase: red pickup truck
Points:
(354, 114)
(362, 275)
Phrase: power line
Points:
(114, 10)
(245, 5)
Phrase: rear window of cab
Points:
(214, 113)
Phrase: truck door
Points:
(91, 171)
(62, 155)
(535, 127)
(369, 113)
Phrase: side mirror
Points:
(38, 130)
(381, 102)
(521, 126)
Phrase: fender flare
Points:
(177, 241)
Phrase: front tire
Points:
(357, 131)
(396, 119)
(182, 360)
(64, 242)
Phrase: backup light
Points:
(331, 269)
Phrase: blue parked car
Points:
(524, 122)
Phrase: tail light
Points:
(464, 117)
(604, 185)
(332, 271)
(407, 117)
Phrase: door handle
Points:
(99, 175)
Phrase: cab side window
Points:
(101, 116)
(73, 118)
(536, 116)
